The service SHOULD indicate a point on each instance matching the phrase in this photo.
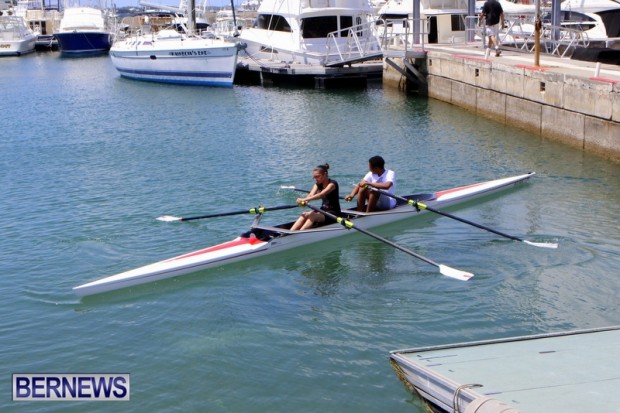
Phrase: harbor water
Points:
(88, 160)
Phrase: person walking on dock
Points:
(380, 178)
(493, 15)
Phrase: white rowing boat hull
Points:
(250, 246)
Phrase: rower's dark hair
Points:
(376, 162)
(322, 168)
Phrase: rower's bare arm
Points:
(329, 188)
(354, 192)
(310, 197)
(381, 185)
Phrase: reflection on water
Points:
(363, 263)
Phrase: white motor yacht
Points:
(312, 33)
(15, 37)
(84, 29)
(441, 21)
(43, 18)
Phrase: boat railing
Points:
(519, 34)
(139, 25)
(562, 41)
(554, 40)
(397, 35)
(356, 43)
(517, 31)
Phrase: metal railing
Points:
(397, 34)
(356, 43)
(519, 34)
(563, 41)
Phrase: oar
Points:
(294, 188)
(443, 269)
(419, 205)
(257, 210)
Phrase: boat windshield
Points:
(272, 22)
(573, 20)
(12, 26)
(611, 20)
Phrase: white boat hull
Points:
(196, 61)
(251, 245)
(17, 47)
(283, 47)
(15, 37)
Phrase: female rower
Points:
(325, 189)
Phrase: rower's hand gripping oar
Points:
(443, 269)
(257, 210)
(419, 205)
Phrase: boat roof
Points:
(156, 13)
(295, 7)
(590, 5)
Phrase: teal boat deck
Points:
(576, 371)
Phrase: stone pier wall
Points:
(581, 112)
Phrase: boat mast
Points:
(232, 6)
(191, 16)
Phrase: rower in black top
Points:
(325, 189)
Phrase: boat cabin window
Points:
(272, 22)
(346, 22)
(458, 22)
(611, 20)
(317, 27)
(320, 27)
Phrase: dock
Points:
(567, 100)
(569, 372)
(571, 101)
(269, 72)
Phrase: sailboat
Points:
(158, 46)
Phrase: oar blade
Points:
(294, 188)
(454, 273)
(168, 218)
(542, 244)
(465, 221)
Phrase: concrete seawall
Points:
(560, 100)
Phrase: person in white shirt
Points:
(380, 178)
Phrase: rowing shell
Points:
(261, 240)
